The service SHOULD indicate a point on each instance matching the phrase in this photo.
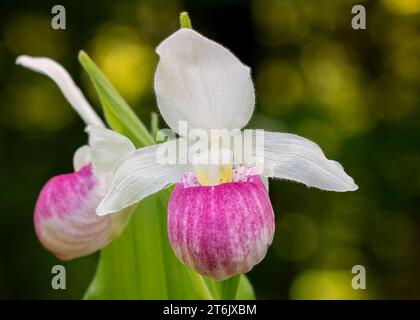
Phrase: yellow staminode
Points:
(213, 167)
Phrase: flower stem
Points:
(184, 20)
(230, 287)
(154, 124)
(201, 286)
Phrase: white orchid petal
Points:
(81, 157)
(199, 81)
(60, 76)
(139, 175)
(107, 148)
(291, 157)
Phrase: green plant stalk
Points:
(116, 110)
(154, 124)
(230, 287)
(184, 20)
(201, 287)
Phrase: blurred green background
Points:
(354, 92)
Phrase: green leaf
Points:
(245, 289)
(184, 20)
(140, 264)
(117, 112)
(230, 287)
(154, 124)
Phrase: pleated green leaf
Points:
(117, 112)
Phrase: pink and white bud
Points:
(65, 216)
(222, 230)
(65, 220)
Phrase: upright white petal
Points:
(66, 84)
(200, 81)
(107, 148)
(138, 175)
(291, 157)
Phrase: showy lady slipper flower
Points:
(220, 218)
(65, 219)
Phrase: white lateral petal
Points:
(199, 81)
(139, 175)
(107, 148)
(291, 157)
(82, 157)
(66, 84)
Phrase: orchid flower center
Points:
(213, 166)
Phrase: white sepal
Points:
(140, 174)
(107, 148)
(61, 77)
(288, 156)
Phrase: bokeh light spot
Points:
(298, 237)
(324, 285)
(392, 237)
(322, 133)
(38, 105)
(334, 82)
(391, 100)
(278, 22)
(33, 35)
(402, 6)
(125, 59)
(280, 87)
(344, 257)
